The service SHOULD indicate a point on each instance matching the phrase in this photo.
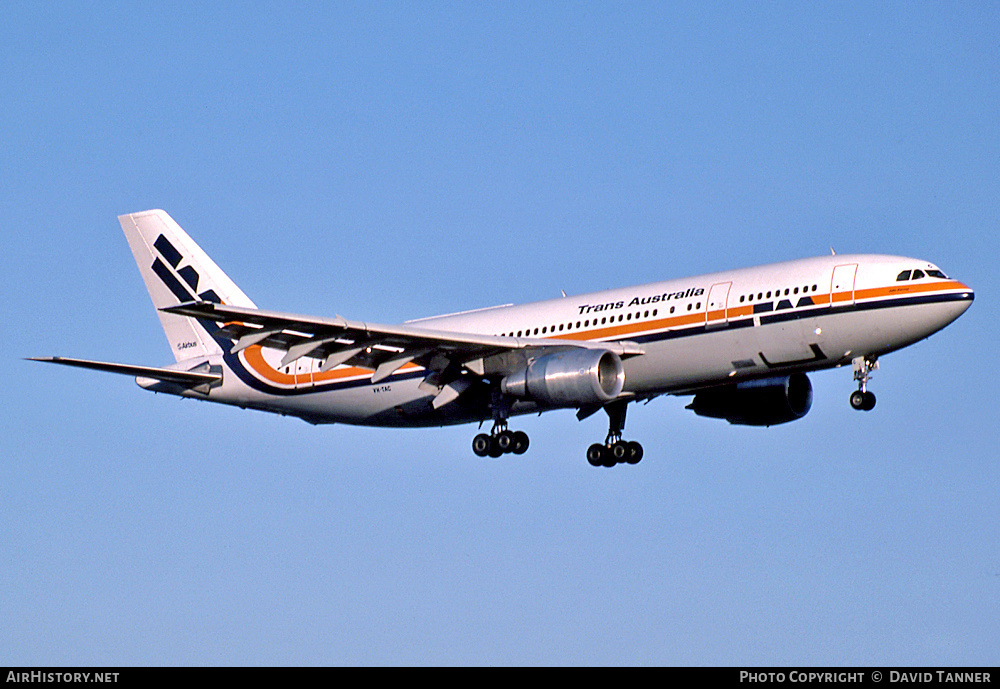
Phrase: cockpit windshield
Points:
(916, 274)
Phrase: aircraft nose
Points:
(966, 296)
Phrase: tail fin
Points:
(176, 270)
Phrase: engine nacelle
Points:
(571, 377)
(765, 402)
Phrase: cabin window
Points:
(936, 274)
(917, 274)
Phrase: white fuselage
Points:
(694, 333)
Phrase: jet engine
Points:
(764, 402)
(571, 377)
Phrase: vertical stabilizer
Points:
(176, 270)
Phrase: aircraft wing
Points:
(381, 348)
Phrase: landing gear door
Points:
(715, 308)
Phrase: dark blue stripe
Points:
(172, 283)
(167, 250)
(190, 276)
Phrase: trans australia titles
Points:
(642, 301)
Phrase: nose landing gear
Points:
(862, 399)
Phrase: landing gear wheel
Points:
(495, 449)
(481, 445)
(634, 452)
(618, 452)
(595, 455)
(520, 445)
(505, 441)
(863, 401)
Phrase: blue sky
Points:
(391, 161)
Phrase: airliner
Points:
(740, 343)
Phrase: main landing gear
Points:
(500, 440)
(615, 450)
(862, 399)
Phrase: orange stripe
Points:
(876, 292)
(254, 358)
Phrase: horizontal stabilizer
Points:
(169, 375)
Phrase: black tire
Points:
(858, 400)
(505, 441)
(618, 453)
(481, 445)
(520, 443)
(634, 452)
(495, 449)
(869, 402)
(595, 455)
